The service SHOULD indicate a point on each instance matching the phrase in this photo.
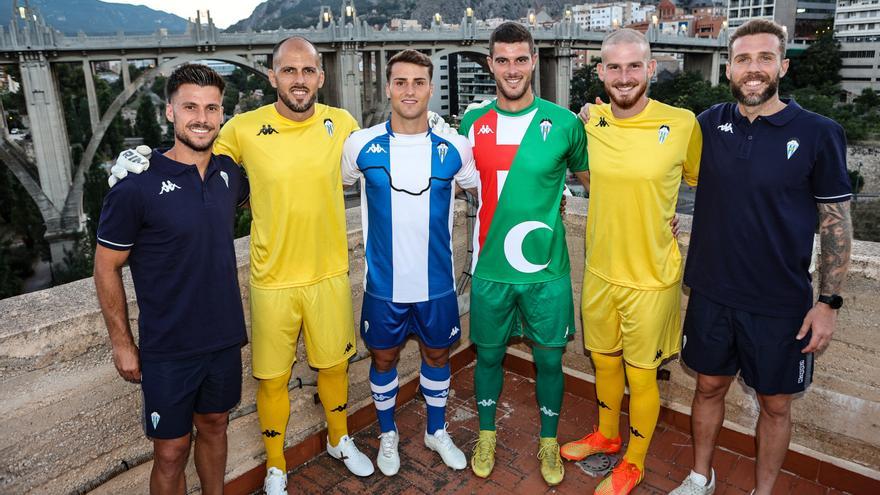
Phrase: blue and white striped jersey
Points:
(406, 208)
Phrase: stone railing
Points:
(69, 424)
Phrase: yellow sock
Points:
(273, 409)
(333, 391)
(644, 409)
(610, 384)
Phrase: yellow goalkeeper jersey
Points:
(298, 233)
(636, 167)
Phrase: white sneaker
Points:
(388, 459)
(354, 459)
(276, 482)
(696, 484)
(441, 443)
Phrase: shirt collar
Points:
(167, 166)
(778, 119)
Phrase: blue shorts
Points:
(386, 324)
(721, 341)
(174, 390)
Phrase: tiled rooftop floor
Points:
(516, 469)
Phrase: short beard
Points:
(754, 100)
(514, 96)
(628, 103)
(183, 138)
(305, 107)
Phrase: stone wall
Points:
(69, 424)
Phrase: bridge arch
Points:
(75, 196)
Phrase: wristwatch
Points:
(834, 300)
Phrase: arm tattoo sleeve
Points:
(835, 237)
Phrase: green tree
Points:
(586, 86)
(817, 66)
(145, 122)
(689, 90)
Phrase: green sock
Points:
(549, 385)
(488, 378)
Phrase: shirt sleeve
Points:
(578, 160)
(829, 178)
(350, 171)
(467, 176)
(244, 187)
(691, 168)
(121, 217)
(227, 141)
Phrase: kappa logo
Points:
(635, 432)
(154, 418)
(266, 129)
(348, 347)
(328, 124)
(376, 148)
(486, 403)
(602, 122)
(443, 393)
(382, 397)
(604, 405)
(726, 127)
(663, 133)
(366, 326)
(225, 177)
(454, 332)
(339, 408)
(270, 433)
(442, 148)
(545, 125)
(790, 147)
(547, 412)
(658, 355)
(168, 186)
(485, 129)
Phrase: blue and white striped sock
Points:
(384, 388)
(435, 387)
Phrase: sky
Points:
(224, 13)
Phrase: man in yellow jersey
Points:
(291, 151)
(639, 151)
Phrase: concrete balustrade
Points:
(69, 424)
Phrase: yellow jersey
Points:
(298, 234)
(636, 168)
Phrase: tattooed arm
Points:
(835, 239)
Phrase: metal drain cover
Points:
(598, 465)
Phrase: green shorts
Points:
(541, 312)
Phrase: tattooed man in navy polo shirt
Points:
(770, 171)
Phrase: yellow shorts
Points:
(323, 310)
(645, 324)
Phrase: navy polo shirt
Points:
(179, 229)
(755, 211)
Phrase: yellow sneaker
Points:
(551, 464)
(483, 459)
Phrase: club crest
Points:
(663, 133)
(791, 147)
(328, 124)
(225, 177)
(442, 148)
(545, 126)
(154, 418)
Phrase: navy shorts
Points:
(721, 341)
(174, 390)
(386, 324)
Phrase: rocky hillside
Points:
(72, 16)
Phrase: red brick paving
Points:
(517, 469)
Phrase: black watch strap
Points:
(834, 300)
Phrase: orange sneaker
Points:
(621, 481)
(594, 443)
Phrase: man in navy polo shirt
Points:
(173, 224)
(767, 166)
